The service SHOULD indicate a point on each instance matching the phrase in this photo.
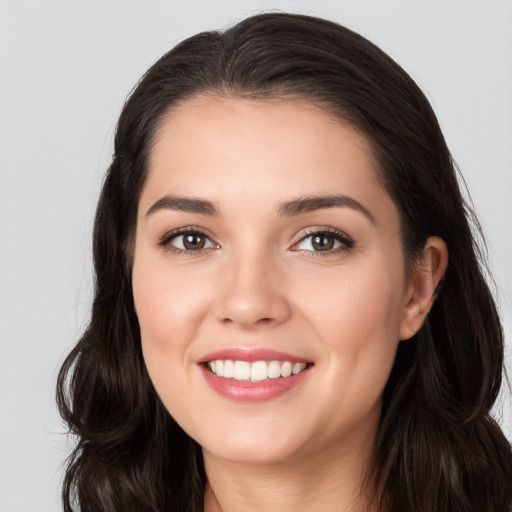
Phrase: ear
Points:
(427, 271)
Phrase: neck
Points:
(329, 482)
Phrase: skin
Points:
(258, 282)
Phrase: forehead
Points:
(260, 151)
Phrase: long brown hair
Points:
(438, 448)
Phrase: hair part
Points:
(438, 448)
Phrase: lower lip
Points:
(245, 391)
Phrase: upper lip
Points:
(251, 354)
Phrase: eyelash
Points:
(346, 242)
(165, 241)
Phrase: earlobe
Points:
(426, 275)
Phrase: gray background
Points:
(65, 69)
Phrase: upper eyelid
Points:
(347, 242)
(169, 235)
(322, 230)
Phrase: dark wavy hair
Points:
(438, 447)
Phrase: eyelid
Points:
(164, 241)
(347, 242)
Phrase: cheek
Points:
(168, 304)
(164, 315)
(170, 307)
(357, 317)
(359, 303)
(154, 310)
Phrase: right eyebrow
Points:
(184, 204)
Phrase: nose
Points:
(252, 294)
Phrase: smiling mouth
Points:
(257, 371)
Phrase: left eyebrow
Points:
(313, 203)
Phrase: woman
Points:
(290, 310)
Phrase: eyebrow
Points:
(184, 204)
(312, 203)
(287, 209)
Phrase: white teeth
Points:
(242, 370)
(274, 370)
(298, 367)
(229, 369)
(255, 372)
(259, 371)
(286, 369)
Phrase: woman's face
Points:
(265, 239)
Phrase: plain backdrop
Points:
(65, 70)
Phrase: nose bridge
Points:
(252, 294)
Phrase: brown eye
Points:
(325, 241)
(194, 241)
(187, 241)
(322, 242)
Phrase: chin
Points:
(252, 447)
